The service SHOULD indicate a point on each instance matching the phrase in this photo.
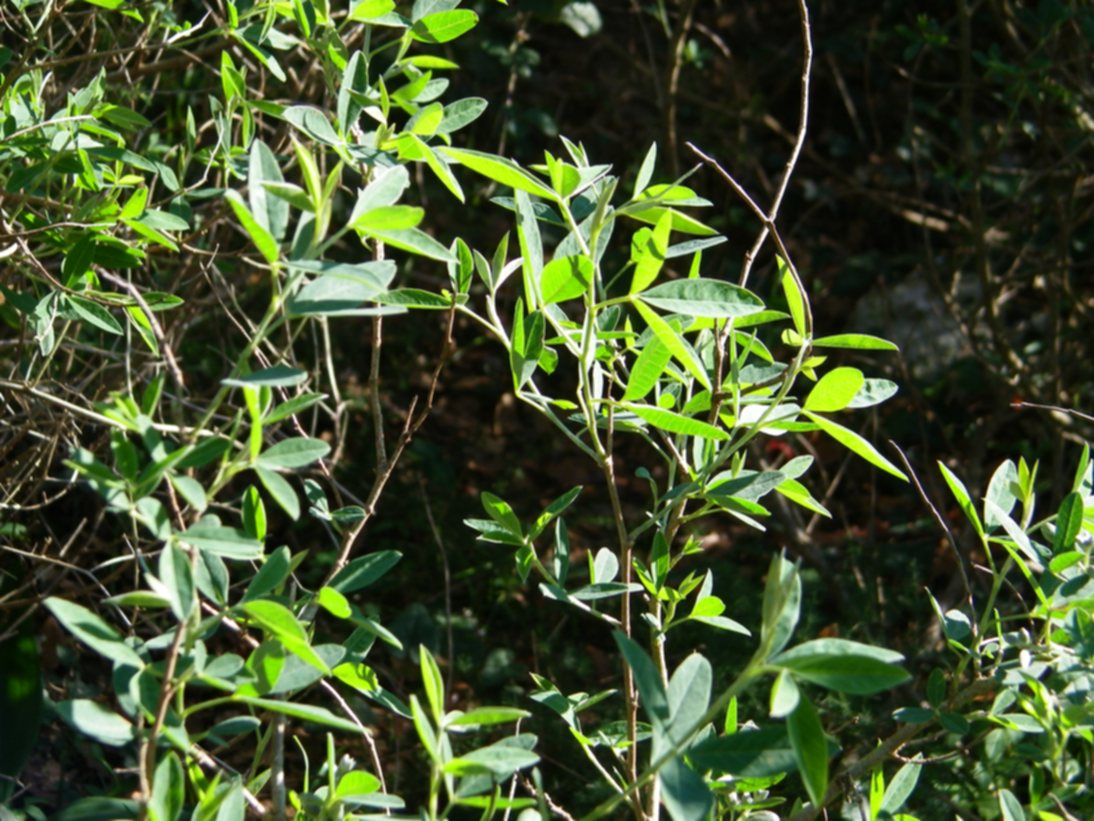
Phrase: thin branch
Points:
(938, 518)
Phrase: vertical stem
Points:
(676, 58)
(374, 382)
(277, 780)
(607, 464)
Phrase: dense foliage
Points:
(439, 408)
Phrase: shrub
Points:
(178, 295)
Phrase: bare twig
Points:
(938, 518)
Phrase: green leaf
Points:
(461, 113)
(873, 392)
(437, 164)
(795, 299)
(296, 452)
(307, 712)
(856, 444)
(92, 631)
(810, 749)
(364, 570)
(688, 695)
(485, 717)
(1010, 806)
(746, 753)
(704, 298)
(653, 697)
(681, 222)
(413, 240)
(425, 120)
(500, 170)
(532, 249)
(554, 509)
(93, 314)
(433, 683)
(957, 487)
(271, 212)
(168, 790)
(370, 9)
(313, 122)
(835, 390)
(647, 370)
(781, 604)
(860, 342)
(356, 782)
(281, 624)
(208, 534)
(388, 217)
(649, 249)
(500, 511)
(96, 721)
(676, 423)
(190, 490)
(178, 579)
(123, 117)
(263, 239)
(844, 666)
(293, 406)
(275, 619)
(686, 795)
(1069, 521)
(443, 26)
(901, 787)
(424, 729)
(683, 352)
(645, 171)
(271, 575)
(1002, 491)
(499, 760)
(784, 695)
(278, 376)
(565, 278)
(415, 298)
(281, 491)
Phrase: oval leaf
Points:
(710, 298)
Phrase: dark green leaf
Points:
(364, 570)
(746, 753)
(93, 314)
(845, 666)
(306, 712)
(92, 631)
(653, 697)
(810, 749)
(684, 792)
(1069, 521)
